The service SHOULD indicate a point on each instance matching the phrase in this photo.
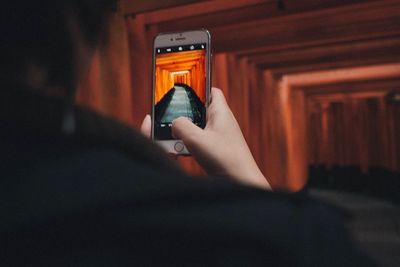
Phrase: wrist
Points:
(251, 176)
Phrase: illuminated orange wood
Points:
(306, 83)
(170, 66)
(107, 86)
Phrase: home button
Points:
(179, 146)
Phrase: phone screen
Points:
(180, 87)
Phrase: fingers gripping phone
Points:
(181, 84)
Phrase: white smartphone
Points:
(181, 84)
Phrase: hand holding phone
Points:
(220, 148)
(181, 84)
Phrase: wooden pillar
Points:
(297, 164)
(275, 156)
(220, 73)
(325, 133)
(141, 58)
(235, 75)
(384, 135)
(351, 131)
(257, 103)
(393, 117)
(107, 87)
(364, 136)
(313, 132)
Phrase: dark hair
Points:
(38, 31)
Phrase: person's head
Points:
(45, 44)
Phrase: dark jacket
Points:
(106, 196)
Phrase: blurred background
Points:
(314, 85)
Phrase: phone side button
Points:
(179, 146)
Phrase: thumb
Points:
(185, 130)
(145, 129)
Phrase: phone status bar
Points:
(180, 48)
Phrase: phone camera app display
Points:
(180, 87)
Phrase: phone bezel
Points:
(175, 39)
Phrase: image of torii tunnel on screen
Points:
(180, 87)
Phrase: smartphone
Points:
(181, 84)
